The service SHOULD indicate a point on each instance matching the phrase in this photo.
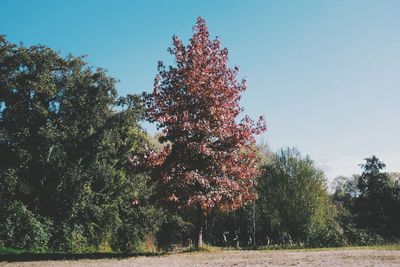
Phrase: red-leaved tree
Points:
(209, 160)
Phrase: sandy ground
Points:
(243, 258)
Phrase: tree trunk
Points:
(254, 225)
(199, 228)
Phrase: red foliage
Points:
(210, 159)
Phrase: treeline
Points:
(294, 207)
(67, 182)
(368, 205)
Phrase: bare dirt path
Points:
(244, 258)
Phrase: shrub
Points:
(174, 232)
(20, 228)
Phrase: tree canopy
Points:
(64, 149)
(210, 161)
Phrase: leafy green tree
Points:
(376, 194)
(66, 140)
(368, 204)
(293, 201)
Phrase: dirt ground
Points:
(243, 258)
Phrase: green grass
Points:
(4, 250)
(17, 255)
(204, 248)
(9, 250)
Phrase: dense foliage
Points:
(293, 208)
(293, 201)
(369, 204)
(78, 173)
(66, 178)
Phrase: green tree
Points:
(293, 201)
(66, 140)
(368, 204)
(375, 197)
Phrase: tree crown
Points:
(210, 160)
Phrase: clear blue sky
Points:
(326, 74)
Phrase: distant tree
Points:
(373, 181)
(293, 199)
(344, 198)
(369, 204)
(265, 152)
(211, 160)
(375, 195)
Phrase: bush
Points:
(328, 235)
(135, 229)
(362, 237)
(174, 232)
(20, 228)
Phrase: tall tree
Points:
(375, 196)
(209, 160)
(65, 175)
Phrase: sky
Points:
(325, 74)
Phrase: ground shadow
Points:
(29, 256)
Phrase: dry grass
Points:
(359, 256)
